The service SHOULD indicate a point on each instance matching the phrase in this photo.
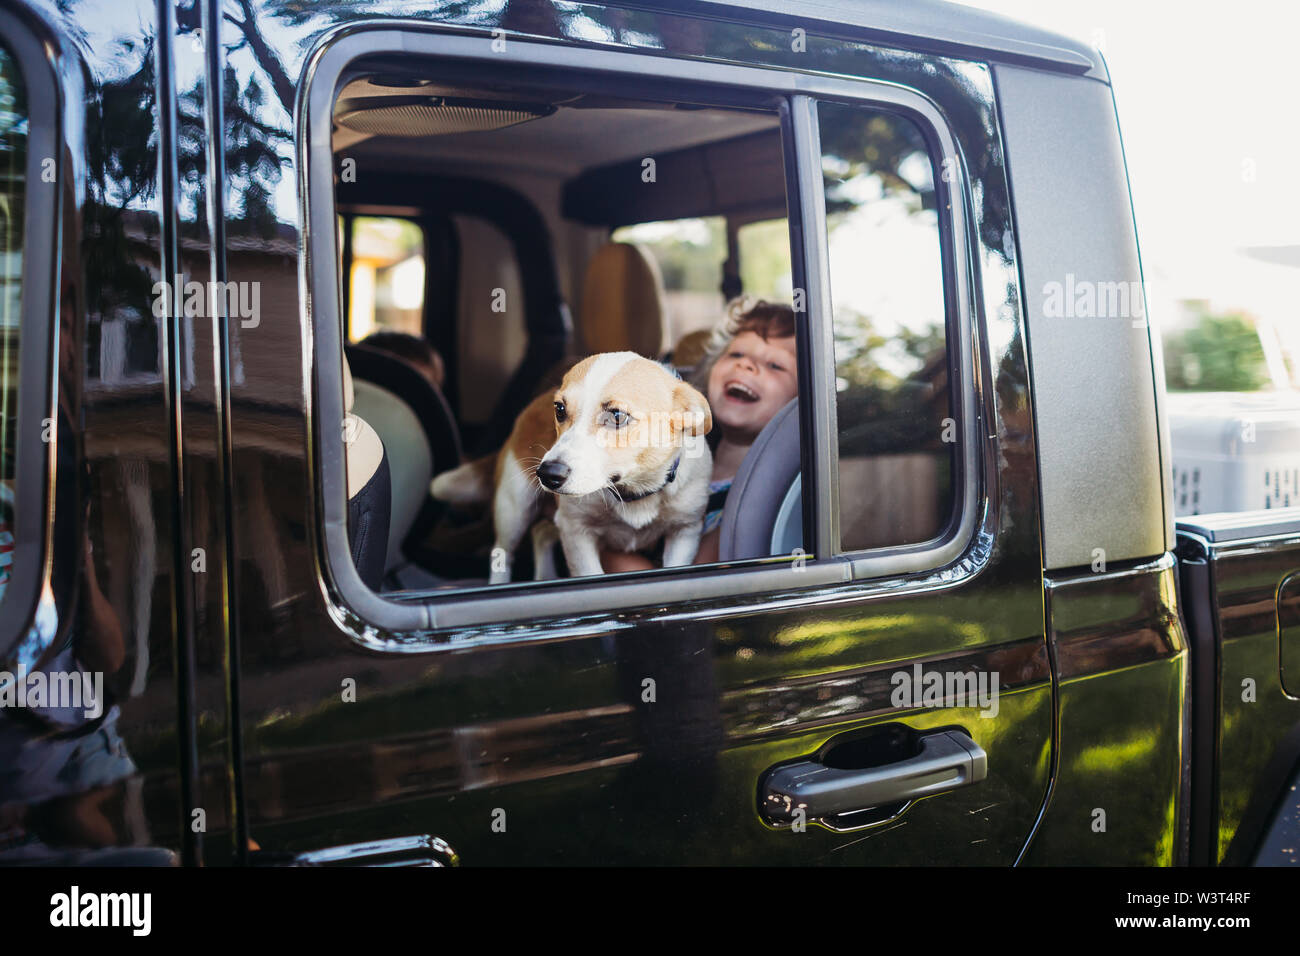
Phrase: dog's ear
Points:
(691, 410)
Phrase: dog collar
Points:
(672, 474)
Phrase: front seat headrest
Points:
(764, 514)
(370, 491)
(413, 419)
(622, 306)
(362, 443)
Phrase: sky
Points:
(1206, 96)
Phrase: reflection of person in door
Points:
(60, 762)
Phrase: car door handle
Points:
(420, 850)
(946, 761)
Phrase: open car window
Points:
(642, 287)
(636, 210)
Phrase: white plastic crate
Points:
(1235, 451)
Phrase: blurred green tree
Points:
(1218, 353)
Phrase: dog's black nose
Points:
(553, 473)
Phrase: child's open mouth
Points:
(738, 391)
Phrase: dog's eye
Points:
(560, 413)
(616, 417)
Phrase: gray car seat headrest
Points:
(763, 514)
(418, 431)
(410, 460)
(369, 490)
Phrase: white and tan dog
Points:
(621, 445)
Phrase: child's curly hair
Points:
(770, 320)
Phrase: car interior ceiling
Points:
(446, 140)
(557, 133)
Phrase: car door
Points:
(848, 702)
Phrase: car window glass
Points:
(896, 433)
(386, 279)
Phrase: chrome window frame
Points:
(367, 614)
